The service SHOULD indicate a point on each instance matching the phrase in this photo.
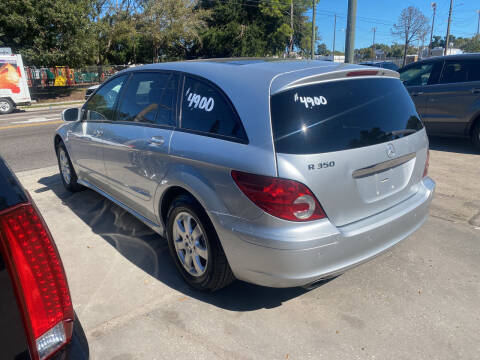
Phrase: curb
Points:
(51, 106)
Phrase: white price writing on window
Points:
(197, 101)
(310, 101)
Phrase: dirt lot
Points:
(418, 301)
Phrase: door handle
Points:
(156, 140)
(475, 91)
(417, 93)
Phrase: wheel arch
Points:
(473, 123)
(56, 140)
(168, 196)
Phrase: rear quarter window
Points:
(341, 115)
(206, 110)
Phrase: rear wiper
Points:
(402, 132)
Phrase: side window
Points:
(149, 98)
(473, 70)
(205, 109)
(101, 105)
(417, 75)
(454, 72)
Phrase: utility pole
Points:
(313, 30)
(334, 33)
(478, 25)
(447, 39)
(434, 7)
(373, 43)
(290, 48)
(350, 36)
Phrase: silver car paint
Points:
(123, 165)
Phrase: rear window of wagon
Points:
(341, 115)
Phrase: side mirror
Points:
(70, 114)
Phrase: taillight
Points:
(39, 279)
(362, 73)
(286, 199)
(427, 164)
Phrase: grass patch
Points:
(48, 105)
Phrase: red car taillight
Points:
(39, 279)
(362, 73)
(427, 164)
(286, 199)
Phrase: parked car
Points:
(381, 64)
(38, 320)
(90, 91)
(446, 92)
(278, 173)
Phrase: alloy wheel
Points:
(190, 244)
(64, 166)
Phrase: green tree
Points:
(48, 32)
(471, 45)
(260, 28)
(468, 45)
(322, 50)
(438, 41)
(114, 28)
(173, 26)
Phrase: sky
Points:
(382, 14)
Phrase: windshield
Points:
(342, 115)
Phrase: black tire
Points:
(476, 135)
(6, 106)
(72, 185)
(217, 270)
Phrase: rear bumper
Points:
(304, 253)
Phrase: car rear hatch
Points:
(354, 138)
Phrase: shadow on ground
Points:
(149, 251)
(450, 144)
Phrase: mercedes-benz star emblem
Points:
(390, 150)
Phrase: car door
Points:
(85, 140)
(450, 103)
(417, 78)
(137, 142)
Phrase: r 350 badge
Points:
(322, 165)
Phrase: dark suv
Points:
(446, 92)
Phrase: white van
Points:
(13, 83)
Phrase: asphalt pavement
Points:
(26, 138)
(419, 300)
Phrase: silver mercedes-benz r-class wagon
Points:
(279, 173)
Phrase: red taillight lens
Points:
(427, 164)
(362, 73)
(286, 199)
(39, 279)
